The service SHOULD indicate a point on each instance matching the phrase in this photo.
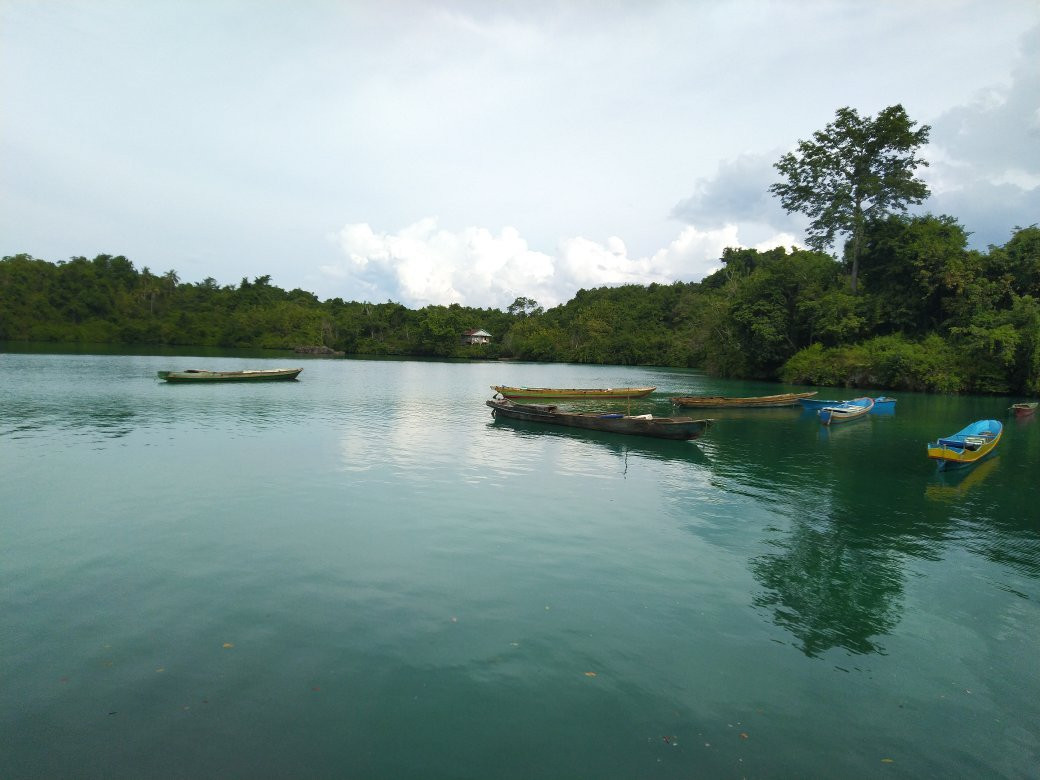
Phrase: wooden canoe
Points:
(753, 401)
(969, 445)
(638, 425)
(552, 393)
(250, 375)
(847, 410)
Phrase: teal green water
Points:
(361, 574)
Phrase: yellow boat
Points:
(521, 393)
(967, 446)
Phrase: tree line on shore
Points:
(907, 305)
(929, 315)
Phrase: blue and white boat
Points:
(848, 410)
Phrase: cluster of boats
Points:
(828, 411)
(967, 446)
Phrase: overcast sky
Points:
(473, 152)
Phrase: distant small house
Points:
(476, 337)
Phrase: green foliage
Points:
(524, 307)
(1017, 263)
(886, 361)
(856, 170)
(932, 315)
(916, 270)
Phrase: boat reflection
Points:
(850, 430)
(951, 484)
(768, 413)
(617, 444)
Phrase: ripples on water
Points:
(364, 574)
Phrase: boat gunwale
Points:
(722, 401)
(511, 392)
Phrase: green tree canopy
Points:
(855, 170)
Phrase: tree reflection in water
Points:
(830, 590)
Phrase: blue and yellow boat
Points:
(969, 445)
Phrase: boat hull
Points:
(969, 445)
(747, 402)
(552, 393)
(850, 410)
(884, 406)
(1023, 410)
(257, 375)
(645, 425)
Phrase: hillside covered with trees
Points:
(906, 305)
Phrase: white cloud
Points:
(424, 264)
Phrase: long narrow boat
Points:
(969, 445)
(638, 425)
(848, 410)
(1023, 409)
(250, 375)
(729, 402)
(551, 393)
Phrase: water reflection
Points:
(110, 418)
(948, 485)
(830, 589)
(1009, 545)
(616, 444)
(784, 413)
(833, 577)
(859, 429)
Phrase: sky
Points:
(475, 151)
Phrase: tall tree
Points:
(855, 170)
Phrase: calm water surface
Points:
(361, 574)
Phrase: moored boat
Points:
(969, 445)
(848, 410)
(815, 404)
(249, 375)
(611, 422)
(551, 393)
(1024, 409)
(884, 406)
(738, 402)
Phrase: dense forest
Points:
(906, 305)
(929, 315)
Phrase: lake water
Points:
(362, 575)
